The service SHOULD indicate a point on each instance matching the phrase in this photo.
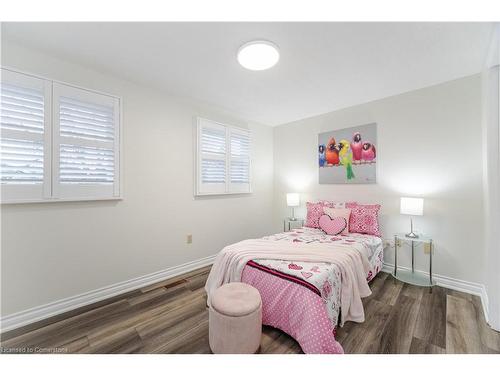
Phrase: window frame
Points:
(229, 188)
(16, 194)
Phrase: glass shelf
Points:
(411, 276)
(415, 278)
(421, 238)
(289, 224)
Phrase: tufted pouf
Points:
(235, 319)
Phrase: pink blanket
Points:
(295, 310)
(354, 266)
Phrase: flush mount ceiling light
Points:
(258, 55)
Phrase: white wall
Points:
(491, 168)
(429, 145)
(55, 250)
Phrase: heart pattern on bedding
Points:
(332, 226)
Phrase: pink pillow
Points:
(339, 212)
(314, 212)
(364, 218)
(332, 226)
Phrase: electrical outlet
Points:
(189, 238)
(388, 242)
(427, 248)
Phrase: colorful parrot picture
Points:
(351, 160)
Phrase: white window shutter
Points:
(223, 159)
(22, 161)
(212, 150)
(86, 147)
(22, 107)
(80, 119)
(239, 162)
(25, 137)
(83, 165)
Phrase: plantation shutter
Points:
(25, 137)
(212, 150)
(239, 162)
(223, 159)
(86, 146)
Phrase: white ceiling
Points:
(323, 66)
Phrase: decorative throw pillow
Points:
(339, 212)
(314, 212)
(364, 218)
(332, 226)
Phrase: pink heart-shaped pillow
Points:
(332, 226)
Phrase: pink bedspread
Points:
(295, 310)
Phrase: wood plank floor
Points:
(171, 317)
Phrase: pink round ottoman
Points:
(235, 319)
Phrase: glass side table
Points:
(410, 276)
(289, 224)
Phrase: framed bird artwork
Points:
(348, 156)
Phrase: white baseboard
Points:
(35, 314)
(451, 283)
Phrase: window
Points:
(223, 159)
(58, 142)
(85, 143)
(25, 137)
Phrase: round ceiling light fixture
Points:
(258, 55)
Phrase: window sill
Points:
(201, 195)
(62, 200)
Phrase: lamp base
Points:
(411, 235)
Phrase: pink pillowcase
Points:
(339, 212)
(364, 218)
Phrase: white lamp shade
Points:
(412, 206)
(292, 200)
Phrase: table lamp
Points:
(412, 207)
(292, 200)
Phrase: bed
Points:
(303, 297)
(293, 292)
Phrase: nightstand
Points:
(410, 276)
(289, 224)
